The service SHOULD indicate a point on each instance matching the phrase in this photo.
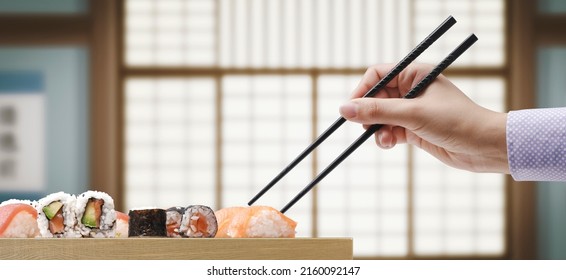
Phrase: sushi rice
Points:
(174, 218)
(23, 223)
(92, 214)
(254, 222)
(107, 226)
(122, 225)
(69, 216)
(199, 221)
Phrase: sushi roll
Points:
(174, 218)
(254, 221)
(56, 215)
(122, 220)
(199, 221)
(95, 214)
(18, 219)
(147, 223)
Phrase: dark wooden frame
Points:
(521, 206)
(106, 100)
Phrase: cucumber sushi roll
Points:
(199, 221)
(149, 222)
(95, 214)
(56, 215)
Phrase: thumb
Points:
(389, 111)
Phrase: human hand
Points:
(443, 121)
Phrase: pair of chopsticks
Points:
(414, 92)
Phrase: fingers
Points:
(402, 83)
(400, 117)
(389, 136)
(388, 111)
(370, 78)
(384, 138)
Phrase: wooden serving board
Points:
(177, 249)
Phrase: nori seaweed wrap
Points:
(174, 217)
(199, 221)
(147, 223)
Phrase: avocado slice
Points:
(93, 211)
(52, 209)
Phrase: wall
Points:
(552, 6)
(64, 71)
(551, 200)
(551, 92)
(42, 6)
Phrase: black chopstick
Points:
(431, 38)
(374, 128)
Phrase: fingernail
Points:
(349, 110)
(383, 145)
(380, 136)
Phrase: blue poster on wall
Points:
(22, 131)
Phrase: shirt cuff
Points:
(536, 144)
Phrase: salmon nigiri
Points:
(18, 220)
(254, 221)
(122, 223)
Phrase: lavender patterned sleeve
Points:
(536, 144)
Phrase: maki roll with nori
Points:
(198, 221)
(147, 223)
(174, 218)
(96, 216)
